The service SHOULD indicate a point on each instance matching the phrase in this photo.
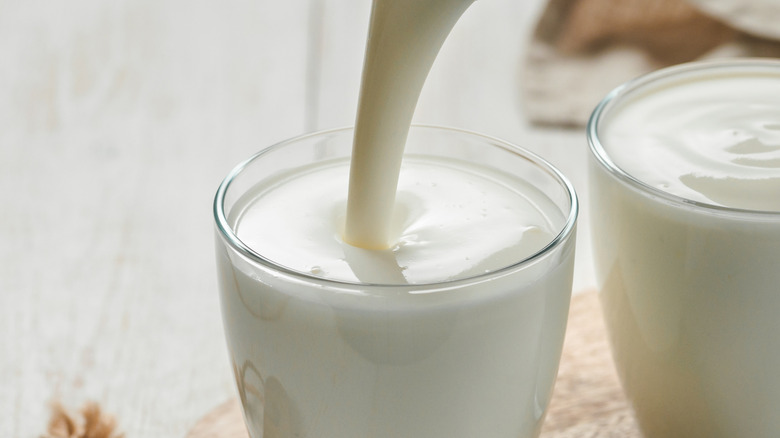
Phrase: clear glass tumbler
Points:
(320, 358)
(690, 290)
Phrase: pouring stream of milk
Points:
(432, 220)
(404, 38)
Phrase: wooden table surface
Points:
(117, 122)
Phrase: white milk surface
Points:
(451, 220)
(691, 294)
(715, 139)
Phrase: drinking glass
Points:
(322, 358)
(690, 290)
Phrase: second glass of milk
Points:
(685, 188)
(395, 343)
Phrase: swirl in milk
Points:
(452, 220)
(715, 139)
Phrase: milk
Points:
(366, 298)
(404, 38)
(687, 238)
(713, 140)
(452, 220)
(455, 331)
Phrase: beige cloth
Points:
(91, 422)
(581, 49)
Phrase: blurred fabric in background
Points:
(581, 49)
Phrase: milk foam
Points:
(452, 220)
(715, 139)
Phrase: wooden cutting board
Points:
(587, 402)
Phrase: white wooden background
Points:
(118, 119)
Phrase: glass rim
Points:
(228, 235)
(615, 96)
